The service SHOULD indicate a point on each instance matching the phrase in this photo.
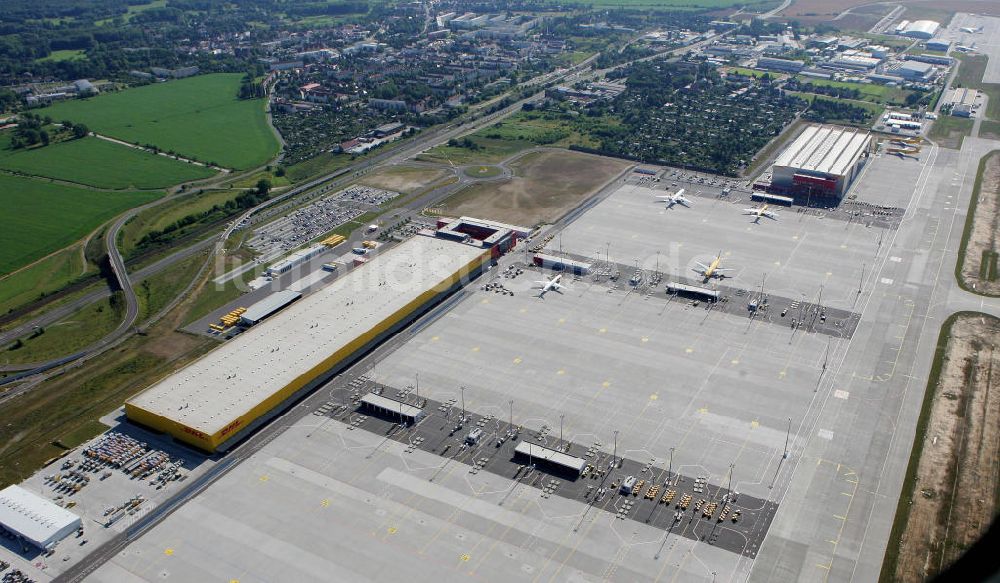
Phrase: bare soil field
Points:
(955, 493)
(545, 186)
(979, 267)
(821, 10)
(405, 179)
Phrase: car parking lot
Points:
(314, 219)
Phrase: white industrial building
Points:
(915, 71)
(245, 381)
(924, 29)
(822, 161)
(784, 65)
(34, 519)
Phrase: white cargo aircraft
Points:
(710, 271)
(550, 285)
(761, 212)
(675, 198)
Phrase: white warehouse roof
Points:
(824, 150)
(921, 29)
(34, 518)
(248, 370)
(267, 306)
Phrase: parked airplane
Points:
(971, 29)
(676, 198)
(761, 212)
(712, 270)
(550, 285)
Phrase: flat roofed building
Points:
(268, 306)
(35, 519)
(239, 385)
(392, 409)
(822, 161)
(556, 461)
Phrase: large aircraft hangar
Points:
(235, 388)
(822, 162)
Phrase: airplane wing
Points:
(750, 211)
(684, 200)
(717, 269)
(542, 283)
(701, 265)
(771, 215)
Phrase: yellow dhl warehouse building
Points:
(227, 393)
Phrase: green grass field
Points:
(99, 163)
(950, 132)
(42, 277)
(869, 91)
(158, 217)
(199, 117)
(68, 335)
(751, 5)
(66, 55)
(43, 217)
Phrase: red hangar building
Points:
(821, 163)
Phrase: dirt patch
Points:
(545, 186)
(405, 179)
(955, 496)
(980, 269)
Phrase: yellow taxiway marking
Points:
(689, 350)
(465, 558)
(654, 397)
(734, 361)
(325, 503)
(778, 263)
(602, 330)
(754, 424)
(645, 339)
(435, 338)
(523, 310)
(517, 360)
(606, 384)
(848, 494)
(795, 237)
(562, 320)
(169, 552)
(485, 301)
(839, 517)
(560, 372)
(843, 246)
(392, 530)
(265, 478)
(781, 374)
(475, 349)
(703, 410)
(829, 273)
(827, 567)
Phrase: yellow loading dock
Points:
(220, 397)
